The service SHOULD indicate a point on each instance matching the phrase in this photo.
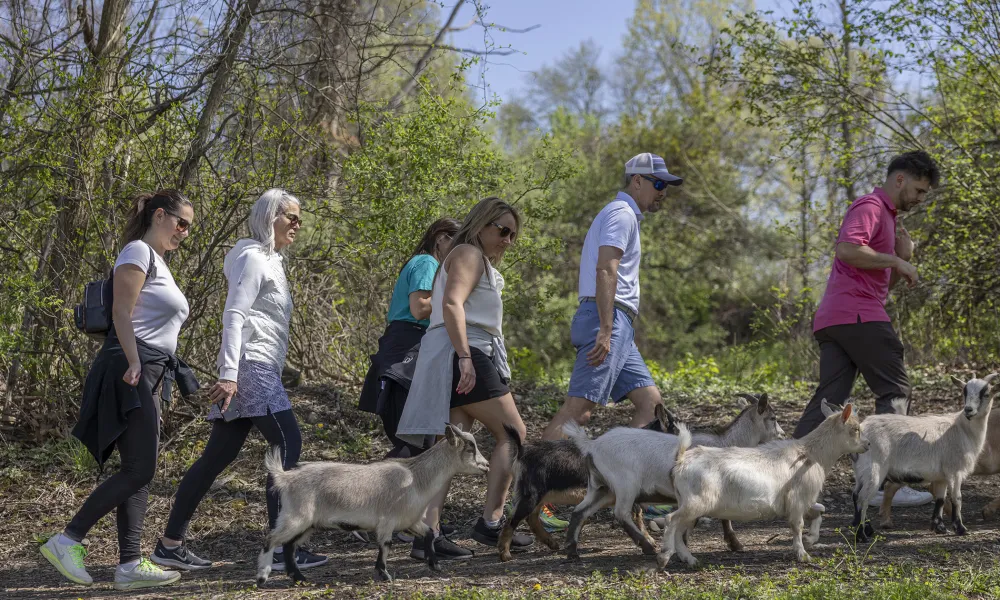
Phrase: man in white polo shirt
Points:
(608, 365)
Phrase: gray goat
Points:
(381, 497)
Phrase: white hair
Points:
(265, 211)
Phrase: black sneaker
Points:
(303, 558)
(407, 537)
(179, 558)
(490, 536)
(444, 548)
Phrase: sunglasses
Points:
(505, 231)
(658, 184)
(293, 220)
(182, 223)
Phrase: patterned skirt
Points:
(258, 391)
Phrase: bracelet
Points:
(465, 357)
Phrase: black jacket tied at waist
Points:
(107, 399)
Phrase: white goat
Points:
(940, 450)
(778, 479)
(988, 463)
(381, 497)
(632, 465)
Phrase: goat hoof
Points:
(553, 545)
(261, 581)
(382, 575)
(869, 530)
(735, 547)
(662, 560)
(804, 557)
(940, 528)
(860, 536)
(961, 529)
(691, 562)
(505, 556)
(434, 565)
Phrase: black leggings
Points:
(127, 491)
(279, 429)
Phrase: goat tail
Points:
(272, 462)
(517, 445)
(683, 442)
(901, 406)
(577, 434)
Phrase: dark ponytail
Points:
(145, 205)
(445, 225)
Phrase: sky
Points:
(562, 26)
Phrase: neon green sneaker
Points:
(550, 521)
(143, 575)
(67, 559)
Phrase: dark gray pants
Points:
(873, 349)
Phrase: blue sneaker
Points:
(654, 511)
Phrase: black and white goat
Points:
(554, 472)
(381, 497)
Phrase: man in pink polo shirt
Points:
(851, 324)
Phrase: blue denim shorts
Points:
(622, 371)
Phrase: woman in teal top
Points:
(408, 317)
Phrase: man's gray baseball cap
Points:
(652, 165)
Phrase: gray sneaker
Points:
(67, 559)
(143, 575)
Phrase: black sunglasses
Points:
(182, 223)
(293, 219)
(505, 231)
(658, 184)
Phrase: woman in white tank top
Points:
(461, 374)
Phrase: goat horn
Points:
(989, 377)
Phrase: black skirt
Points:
(395, 342)
(488, 385)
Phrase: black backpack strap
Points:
(151, 271)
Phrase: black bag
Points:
(93, 315)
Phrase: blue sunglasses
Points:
(658, 184)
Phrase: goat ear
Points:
(958, 382)
(762, 403)
(826, 408)
(847, 412)
(451, 435)
(661, 415)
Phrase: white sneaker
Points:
(906, 496)
(143, 575)
(67, 558)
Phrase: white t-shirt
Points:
(161, 308)
(616, 225)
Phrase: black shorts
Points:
(488, 381)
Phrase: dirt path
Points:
(229, 528)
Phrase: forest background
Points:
(366, 111)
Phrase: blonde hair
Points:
(487, 211)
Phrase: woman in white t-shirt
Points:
(120, 406)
